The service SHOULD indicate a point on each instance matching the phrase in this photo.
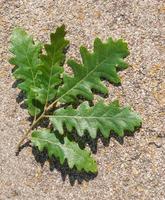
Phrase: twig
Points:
(35, 121)
(29, 130)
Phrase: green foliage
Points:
(50, 67)
(39, 73)
(39, 70)
(27, 61)
(68, 150)
(104, 62)
(101, 117)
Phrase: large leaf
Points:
(51, 69)
(39, 74)
(68, 150)
(101, 117)
(104, 62)
(26, 59)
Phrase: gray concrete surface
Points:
(134, 170)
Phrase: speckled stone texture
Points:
(128, 170)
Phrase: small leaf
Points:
(101, 117)
(26, 60)
(50, 67)
(68, 150)
(104, 62)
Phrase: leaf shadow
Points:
(25, 145)
(21, 95)
(54, 164)
(86, 140)
(73, 174)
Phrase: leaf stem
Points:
(35, 121)
(29, 130)
(51, 105)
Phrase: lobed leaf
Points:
(26, 59)
(104, 62)
(68, 150)
(50, 67)
(39, 74)
(105, 118)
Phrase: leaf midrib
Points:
(33, 77)
(50, 75)
(97, 65)
(59, 145)
(85, 117)
(49, 141)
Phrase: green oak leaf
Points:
(68, 150)
(105, 118)
(50, 67)
(39, 73)
(26, 60)
(104, 62)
